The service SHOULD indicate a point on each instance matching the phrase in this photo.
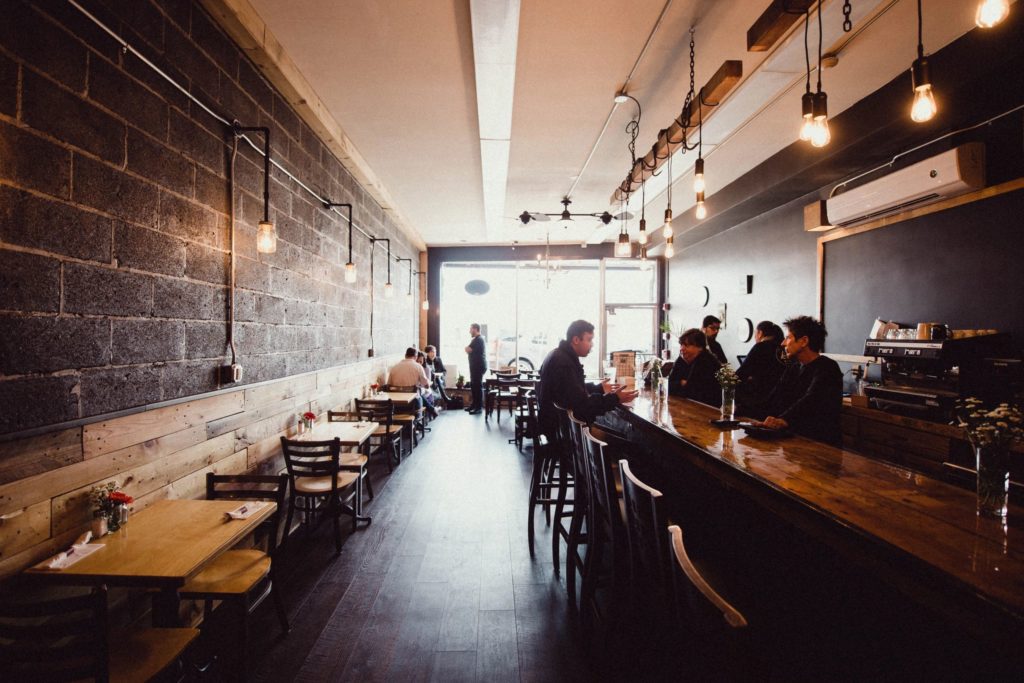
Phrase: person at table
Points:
(562, 383)
(710, 328)
(436, 366)
(761, 369)
(408, 373)
(476, 351)
(809, 396)
(693, 374)
(427, 393)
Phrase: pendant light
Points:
(667, 230)
(807, 101)
(698, 182)
(924, 107)
(698, 175)
(702, 210)
(641, 237)
(350, 267)
(266, 233)
(623, 248)
(670, 249)
(991, 12)
(820, 134)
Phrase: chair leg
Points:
(282, 614)
(556, 533)
(534, 494)
(572, 549)
(336, 518)
(288, 518)
(369, 483)
(242, 658)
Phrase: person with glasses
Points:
(693, 373)
(710, 328)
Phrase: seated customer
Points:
(710, 327)
(693, 375)
(427, 393)
(407, 372)
(436, 365)
(761, 369)
(809, 396)
(561, 382)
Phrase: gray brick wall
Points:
(114, 220)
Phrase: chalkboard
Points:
(962, 266)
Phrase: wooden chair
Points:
(415, 416)
(525, 426)
(505, 394)
(243, 578)
(318, 479)
(387, 438)
(646, 522)
(358, 458)
(67, 639)
(580, 524)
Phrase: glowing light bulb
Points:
(698, 176)
(702, 211)
(670, 250)
(389, 291)
(820, 134)
(924, 107)
(266, 238)
(807, 106)
(425, 305)
(350, 272)
(623, 249)
(991, 12)
(667, 231)
(641, 237)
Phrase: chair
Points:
(685, 575)
(415, 415)
(646, 522)
(580, 524)
(387, 436)
(526, 418)
(321, 483)
(349, 458)
(243, 577)
(503, 391)
(67, 639)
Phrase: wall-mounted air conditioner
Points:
(945, 175)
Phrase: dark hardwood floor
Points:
(440, 586)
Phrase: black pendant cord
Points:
(820, 38)
(231, 217)
(348, 207)
(807, 53)
(266, 162)
(920, 32)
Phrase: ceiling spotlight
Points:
(990, 13)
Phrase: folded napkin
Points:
(247, 510)
(78, 550)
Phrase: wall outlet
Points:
(229, 374)
(369, 353)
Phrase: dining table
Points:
(401, 399)
(350, 434)
(161, 548)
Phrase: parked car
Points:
(531, 351)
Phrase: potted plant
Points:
(666, 329)
(460, 382)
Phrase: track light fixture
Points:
(924, 107)
(991, 12)
(350, 267)
(266, 233)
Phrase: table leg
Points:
(165, 608)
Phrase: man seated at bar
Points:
(693, 374)
(809, 396)
(761, 369)
(561, 382)
(710, 328)
(408, 373)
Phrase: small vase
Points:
(302, 427)
(114, 519)
(728, 403)
(993, 465)
(99, 526)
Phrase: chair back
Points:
(381, 412)
(63, 639)
(693, 596)
(312, 459)
(648, 552)
(602, 479)
(343, 416)
(272, 488)
(581, 472)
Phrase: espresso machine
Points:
(924, 378)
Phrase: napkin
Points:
(247, 510)
(78, 550)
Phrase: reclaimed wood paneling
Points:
(24, 528)
(38, 454)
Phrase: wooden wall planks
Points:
(163, 453)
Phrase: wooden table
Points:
(919, 533)
(161, 547)
(351, 434)
(401, 398)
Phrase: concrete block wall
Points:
(115, 220)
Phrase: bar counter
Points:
(917, 533)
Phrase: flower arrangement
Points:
(107, 503)
(307, 419)
(989, 428)
(375, 387)
(727, 377)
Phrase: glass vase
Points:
(993, 465)
(114, 519)
(728, 403)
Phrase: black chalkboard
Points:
(963, 266)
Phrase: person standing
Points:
(710, 328)
(476, 351)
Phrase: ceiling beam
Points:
(774, 22)
(671, 139)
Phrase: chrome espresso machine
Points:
(924, 378)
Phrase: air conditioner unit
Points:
(953, 172)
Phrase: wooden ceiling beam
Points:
(774, 22)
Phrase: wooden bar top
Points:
(926, 521)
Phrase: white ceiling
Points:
(400, 78)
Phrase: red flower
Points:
(309, 416)
(121, 498)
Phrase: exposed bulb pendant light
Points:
(623, 248)
(702, 210)
(266, 238)
(350, 272)
(641, 237)
(698, 175)
(807, 101)
(991, 12)
(389, 290)
(670, 249)
(667, 231)
(350, 267)
(425, 305)
(266, 233)
(924, 107)
(820, 134)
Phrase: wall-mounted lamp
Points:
(350, 267)
(991, 12)
(924, 107)
(399, 260)
(389, 290)
(266, 234)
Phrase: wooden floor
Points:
(439, 587)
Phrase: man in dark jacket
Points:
(477, 367)
(436, 365)
(761, 369)
(809, 397)
(561, 382)
(693, 374)
(710, 328)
